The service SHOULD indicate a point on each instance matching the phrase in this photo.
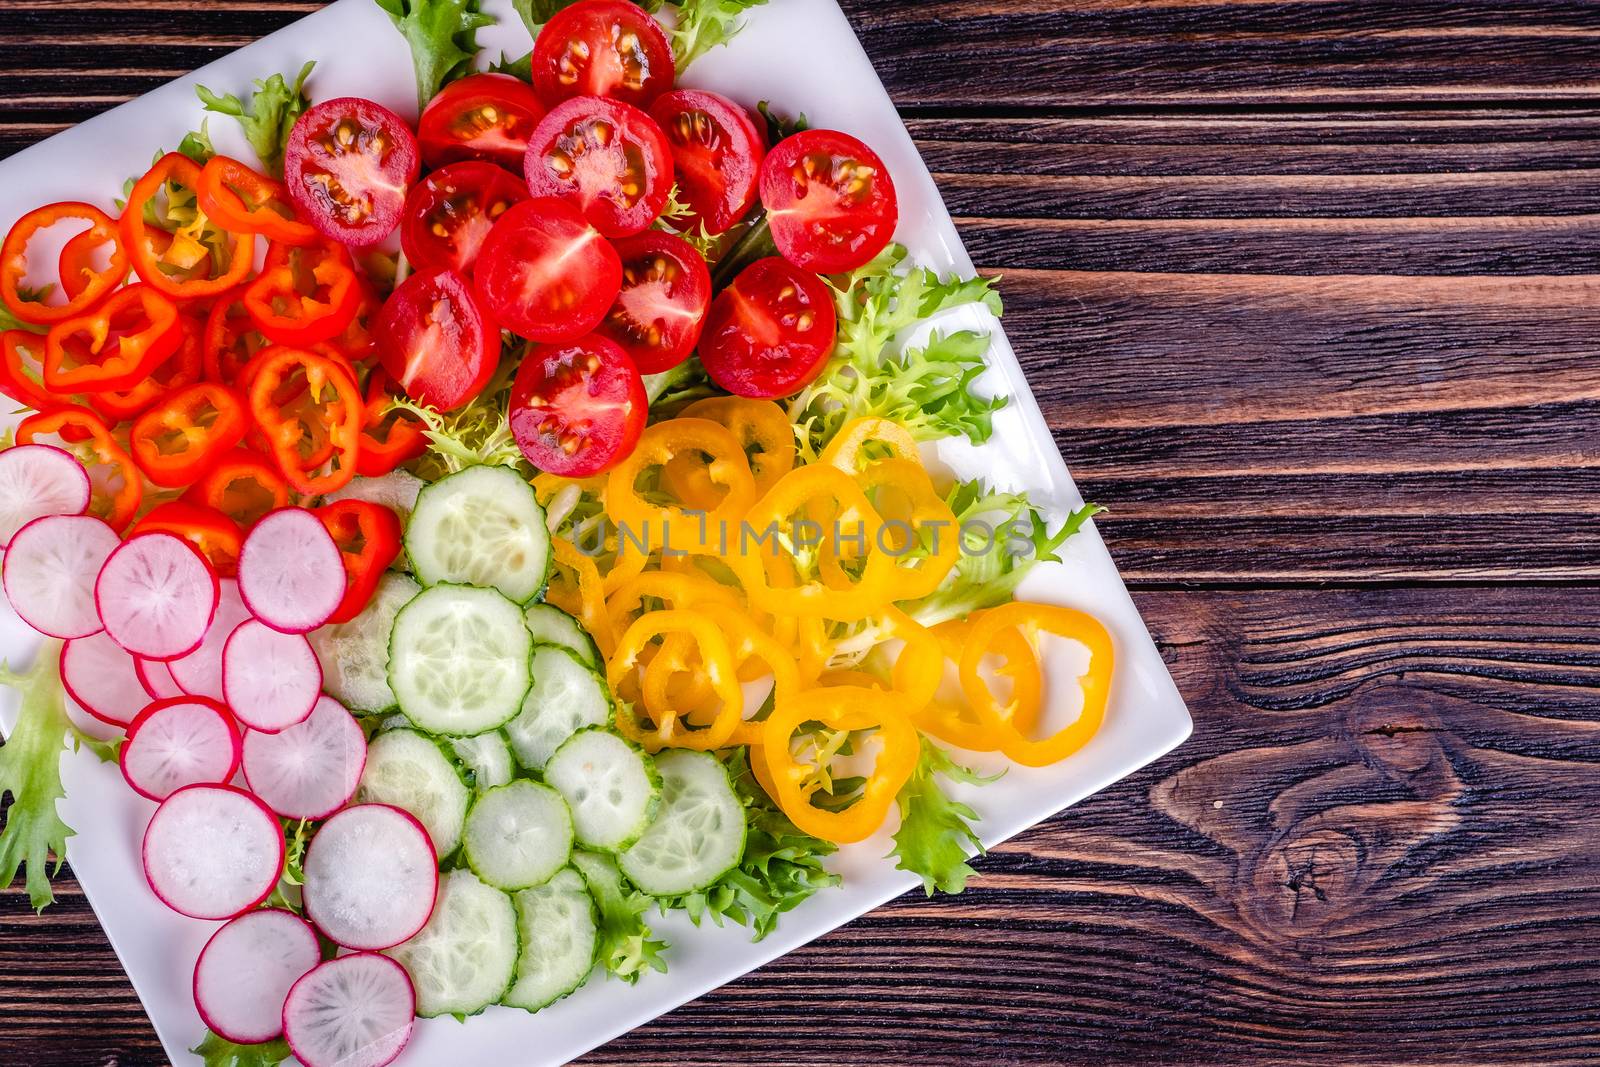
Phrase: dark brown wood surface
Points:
(1308, 291)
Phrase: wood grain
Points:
(1306, 291)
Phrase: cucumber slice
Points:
(355, 654)
(567, 695)
(559, 934)
(487, 756)
(610, 784)
(410, 771)
(549, 625)
(518, 835)
(481, 526)
(458, 660)
(466, 957)
(697, 837)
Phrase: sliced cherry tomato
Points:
(368, 536)
(666, 291)
(436, 342)
(609, 158)
(179, 263)
(602, 48)
(389, 437)
(545, 273)
(243, 485)
(770, 332)
(22, 370)
(113, 347)
(14, 263)
(348, 164)
(305, 294)
(451, 211)
(180, 439)
(213, 534)
(829, 199)
(483, 116)
(181, 369)
(716, 155)
(577, 409)
(245, 201)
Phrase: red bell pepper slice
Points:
(179, 439)
(389, 438)
(118, 487)
(305, 295)
(14, 263)
(113, 347)
(231, 339)
(179, 267)
(177, 371)
(245, 201)
(22, 370)
(315, 439)
(213, 534)
(368, 536)
(243, 485)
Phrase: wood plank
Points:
(1378, 846)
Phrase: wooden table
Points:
(1307, 290)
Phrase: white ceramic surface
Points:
(776, 58)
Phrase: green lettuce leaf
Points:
(443, 35)
(535, 13)
(8, 321)
(219, 1052)
(521, 68)
(936, 838)
(626, 948)
(703, 25)
(267, 118)
(30, 770)
(196, 144)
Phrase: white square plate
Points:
(776, 58)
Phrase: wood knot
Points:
(1304, 882)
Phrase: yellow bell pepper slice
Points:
(851, 448)
(645, 526)
(955, 722)
(575, 587)
(716, 661)
(763, 429)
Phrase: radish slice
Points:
(200, 672)
(370, 877)
(89, 726)
(50, 570)
(180, 742)
(311, 770)
(39, 480)
(355, 1011)
(156, 677)
(103, 679)
(270, 679)
(244, 973)
(157, 596)
(212, 851)
(291, 574)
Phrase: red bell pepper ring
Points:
(230, 339)
(316, 439)
(179, 370)
(182, 437)
(77, 262)
(14, 263)
(305, 295)
(389, 438)
(177, 263)
(245, 201)
(243, 485)
(113, 347)
(213, 534)
(22, 370)
(118, 487)
(368, 536)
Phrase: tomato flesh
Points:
(483, 116)
(602, 48)
(770, 332)
(608, 158)
(348, 165)
(435, 340)
(716, 155)
(452, 210)
(545, 274)
(577, 409)
(829, 199)
(666, 292)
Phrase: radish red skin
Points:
(271, 820)
(300, 1051)
(209, 1018)
(97, 707)
(155, 708)
(156, 677)
(73, 491)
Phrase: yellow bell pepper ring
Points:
(955, 722)
(576, 589)
(918, 519)
(840, 708)
(848, 450)
(676, 589)
(645, 526)
(716, 661)
(763, 430)
(1004, 720)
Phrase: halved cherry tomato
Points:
(179, 370)
(716, 154)
(178, 263)
(213, 534)
(245, 201)
(348, 164)
(114, 346)
(79, 260)
(577, 409)
(118, 488)
(14, 263)
(829, 199)
(435, 340)
(389, 438)
(179, 439)
(305, 294)
(483, 116)
(368, 536)
(666, 291)
(451, 211)
(609, 158)
(230, 339)
(22, 370)
(770, 332)
(602, 48)
(242, 485)
(545, 273)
